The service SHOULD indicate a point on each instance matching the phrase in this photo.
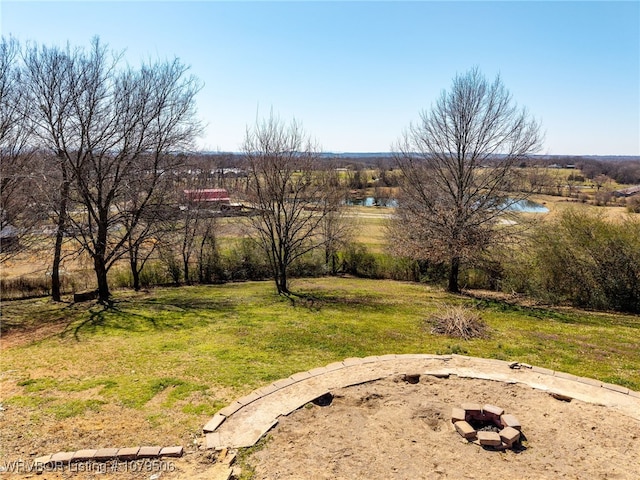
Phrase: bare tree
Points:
(357, 177)
(196, 230)
(147, 231)
(456, 165)
(288, 191)
(16, 155)
(539, 179)
(601, 180)
(116, 132)
(141, 244)
(335, 228)
(47, 83)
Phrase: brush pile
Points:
(458, 322)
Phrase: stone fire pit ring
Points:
(504, 432)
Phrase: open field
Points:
(557, 205)
(367, 223)
(368, 227)
(155, 367)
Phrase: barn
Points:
(214, 196)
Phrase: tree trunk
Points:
(281, 281)
(99, 262)
(135, 273)
(454, 270)
(185, 266)
(56, 293)
(56, 287)
(101, 277)
(327, 255)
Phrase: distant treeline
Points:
(623, 169)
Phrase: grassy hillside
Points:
(157, 365)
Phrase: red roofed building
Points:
(218, 195)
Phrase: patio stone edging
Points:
(445, 365)
(282, 383)
(297, 383)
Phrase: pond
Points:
(527, 206)
(524, 206)
(371, 202)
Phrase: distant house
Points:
(215, 196)
(9, 239)
(569, 166)
(628, 192)
(229, 173)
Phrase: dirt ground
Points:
(391, 429)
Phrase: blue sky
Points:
(355, 74)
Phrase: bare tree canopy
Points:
(16, 169)
(456, 165)
(13, 134)
(291, 194)
(115, 132)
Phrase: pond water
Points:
(371, 202)
(524, 206)
(528, 206)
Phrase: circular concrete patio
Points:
(246, 420)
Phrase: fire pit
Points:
(488, 426)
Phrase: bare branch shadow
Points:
(107, 316)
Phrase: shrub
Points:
(401, 268)
(310, 265)
(518, 271)
(574, 177)
(154, 273)
(246, 262)
(603, 197)
(210, 269)
(633, 204)
(120, 278)
(588, 261)
(27, 286)
(172, 264)
(486, 273)
(358, 261)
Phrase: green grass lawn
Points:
(174, 356)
